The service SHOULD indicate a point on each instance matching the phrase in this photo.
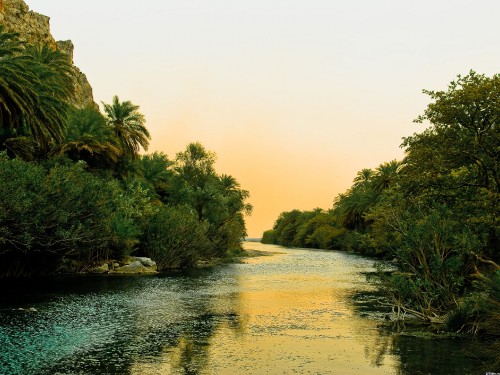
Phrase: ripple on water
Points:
(295, 312)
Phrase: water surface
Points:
(294, 312)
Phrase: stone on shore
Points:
(136, 265)
(146, 262)
(103, 268)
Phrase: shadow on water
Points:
(420, 348)
(114, 325)
(453, 356)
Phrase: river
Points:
(294, 311)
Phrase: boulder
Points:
(103, 268)
(146, 262)
(135, 267)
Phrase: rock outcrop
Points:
(34, 28)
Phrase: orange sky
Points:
(294, 96)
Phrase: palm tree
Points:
(128, 124)
(363, 177)
(385, 175)
(232, 188)
(18, 95)
(234, 196)
(353, 206)
(89, 138)
(55, 87)
(157, 172)
(35, 85)
(355, 203)
(228, 184)
(55, 70)
(156, 167)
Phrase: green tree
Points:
(36, 83)
(90, 139)
(456, 160)
(54, 86)
(218, 200)
(18, 95)
(157, 170)
(268, 237)
(354, 205)
(309, 224)
(135, 207)
(363, 177)
(129, 126)
(324, 231)
(288, 225)
(195, 182)
(385, 176)
(226, 215)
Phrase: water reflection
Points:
(294, 312)
(111, 325)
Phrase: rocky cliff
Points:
(35, 28)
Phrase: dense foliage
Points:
(75, 190)
(435, 213)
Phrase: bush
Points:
(175, 238)
(435, 256)
(46, 216)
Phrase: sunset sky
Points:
(294, 96)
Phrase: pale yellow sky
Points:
(294, 96)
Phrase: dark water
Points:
(295, 312)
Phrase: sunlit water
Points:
(294, 312)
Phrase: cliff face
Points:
(33, 27)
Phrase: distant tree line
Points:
(435, 213)
(75, 190)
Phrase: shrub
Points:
(46, 216)
(175, 238)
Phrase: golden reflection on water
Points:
(279, 315)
